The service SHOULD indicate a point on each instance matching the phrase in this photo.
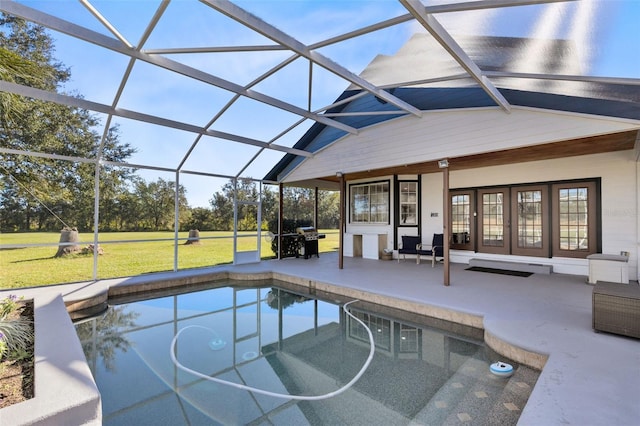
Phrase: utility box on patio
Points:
(608, 267)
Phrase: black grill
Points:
(308, 241)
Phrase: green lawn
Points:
(35, 266)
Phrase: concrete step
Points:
(536, 268)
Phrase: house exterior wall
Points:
(620, 185)
(619, 193)
(453, 133)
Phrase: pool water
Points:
(281, 341)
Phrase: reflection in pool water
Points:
(217, 344)
(287, 343)
(252, 355)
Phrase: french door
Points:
(494, 221)
(541, 220)
(463, 220)
(514, 220)
(530, 216)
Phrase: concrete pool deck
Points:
(589, 378)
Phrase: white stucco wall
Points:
(619, 174)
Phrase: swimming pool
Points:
(282, 341)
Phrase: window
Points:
(574, 225)
(370, 203)
(380, 327)
(408, 203)
(409, 339)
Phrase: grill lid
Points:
(306, 230)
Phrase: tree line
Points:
(44, 193)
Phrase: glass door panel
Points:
(462, 224)
(493, 221)
(530, 214)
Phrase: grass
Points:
(36, 266)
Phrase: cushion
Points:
(409, 243)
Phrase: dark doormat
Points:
(500, 271)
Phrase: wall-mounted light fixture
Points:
(339, 174)
(443, 164)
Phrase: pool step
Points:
(536, 268)
(475, 396)
(445, 401)
(484, 403)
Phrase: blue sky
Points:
(609, 49)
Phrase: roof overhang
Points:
(472, 137)
(583, 146)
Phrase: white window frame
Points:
(374, 206)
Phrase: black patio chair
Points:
(436, 251)
(409, 245)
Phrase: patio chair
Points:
(436, 251)
(409, 245)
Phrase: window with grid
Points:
(461, 211)
(409, 339)
(573, 218)
(408, 203)
(370, 203)
(380, 328)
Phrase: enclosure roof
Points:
(227, 90)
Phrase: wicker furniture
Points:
(616, 308)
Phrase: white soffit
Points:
(451, 133)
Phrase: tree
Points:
(22, 63)
(298, 204)
(222, 210)
(270, 205)
(12, 67)
(222, 205)
(104, 336)
(201, 219)
(157, 203)
(328, 209)
(65, 188)
(127, 211)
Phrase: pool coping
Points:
(64, 389)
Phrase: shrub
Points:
(16, 334)
(8, 305)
